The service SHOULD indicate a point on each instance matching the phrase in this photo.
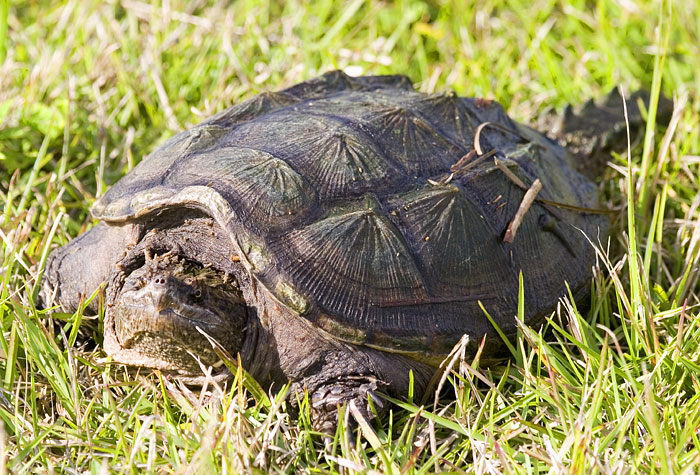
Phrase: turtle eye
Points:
(197, 295)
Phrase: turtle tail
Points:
(593, 130)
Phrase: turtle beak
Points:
(159, 291)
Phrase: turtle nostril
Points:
(160, 280)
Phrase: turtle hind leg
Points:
(74, 271)
(593, 130)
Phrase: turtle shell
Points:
(364, 206)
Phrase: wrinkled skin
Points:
(171, 310)
(179, 299)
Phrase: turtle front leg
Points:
(281, 346)
(358, 391)
(354, 377)
(74, 271)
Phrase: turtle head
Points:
(171, 314)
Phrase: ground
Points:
(87, 88)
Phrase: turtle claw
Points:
(358, 390)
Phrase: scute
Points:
(263, 191)
(457, 244)
(340, 196)
(409, 138)
(352, 260)
(450, 114)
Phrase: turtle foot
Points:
(359, 390)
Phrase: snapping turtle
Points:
(337, 234)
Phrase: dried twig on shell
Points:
(508, 173)
(468, 161)
(525, 205)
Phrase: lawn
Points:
(88, 87)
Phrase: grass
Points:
(88, 87)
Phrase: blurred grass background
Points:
(88, 87)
